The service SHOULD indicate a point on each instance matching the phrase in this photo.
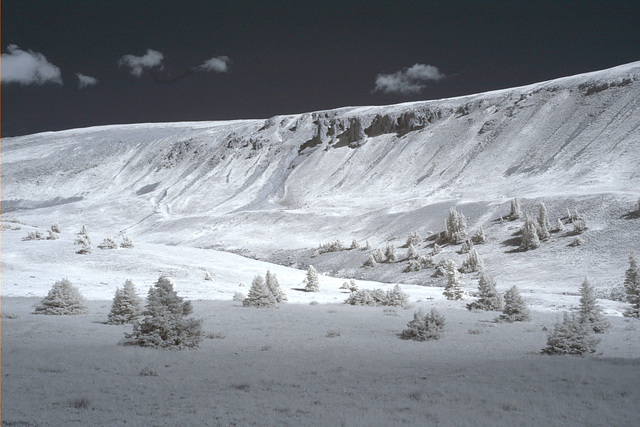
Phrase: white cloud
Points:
(84, 81)
(409, 80)
(27, 68)
(137, 64)
(218, 64)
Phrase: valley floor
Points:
(324, 364)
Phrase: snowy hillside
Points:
(274, 189)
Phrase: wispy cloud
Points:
(84, 81)
(137, 64)
(219, 64)
(409, 80)
(27, 68)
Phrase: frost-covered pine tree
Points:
(378, 255)
(271, 280)
(53, 235)
(126, 306)
(63, 298)
(543, 222)
(207, 276)
(165, 323)
(425, 327)
(571, 336)
(390, 253)
(412, 253)
(367, 246)
(259, 295)
(55, 227)
(466, 247)
(472, 263)
(436, 249)
(370, 262)
(352, 285)
(455, 226)
(515, 309)
(530, 239)
(414, 239)
(516, 211)
(126, 242)
(632, 287)
(589, 311)
(85, 244)
(354, 244)
(84, 230)
(488, 296)
(453, 288)
(559, 226)
(311, 282)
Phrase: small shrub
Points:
(55, 228)
(108, 243)
(207, 276)
(33, 235)
(333, 334)
(579, 227)
(238, 296)
(63, 299)
(126, 243)
(478, 236)
(81, 403)
(148, 372)
(425, 327)
(414, 239)
(336, 246)
(390, 253)
(559, 226)
(53, 235)
(578, 241)
(85, 244)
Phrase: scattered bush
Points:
(571, 336)
(165, 324)
(478, 237)
(488, 296)
(126, 243)
(632, 287)
(354, 244)
(259, 295)
(53, 235)
(33, 235)
(376, 297)
(126, 306)
(108, 243)
(55, 228)
(333, 334)
(515, 309)
(311, 282)
(336, 246)
(148, 372)
(578, 241)
(84, 230)
(81, 403)
(420, 263)
(238, 297)
(425, 327)
(63, 299)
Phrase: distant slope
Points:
(292, 181)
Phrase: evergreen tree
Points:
(516, 212)
(515, 309)
(274, 287)
(63, 298)
(479, 237)
(311, 282)
(390, 253)
(126, 306)
(259, 295)
(411, 252)
(355, 244)
(126, 242)
(472, 263)
(378, 255)
(55, 227)
(589, 311)
(370, 262)
(367, 246)
(632, 287)
(530, 238)
(85, 244)
(543, 223)
(108, 243)
(453, 288)
(466, 247)
(425, 327)
(414, 239)
(207, 276)
(436, 249)
(53, 235)
(84, 230)
(165, 323)
(455, 227)
(488, 296)
(559, 226)
(571, 336)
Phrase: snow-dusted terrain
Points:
(239, 197)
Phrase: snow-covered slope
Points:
(377, 173)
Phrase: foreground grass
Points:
(319, 365)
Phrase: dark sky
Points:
(293, 56)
